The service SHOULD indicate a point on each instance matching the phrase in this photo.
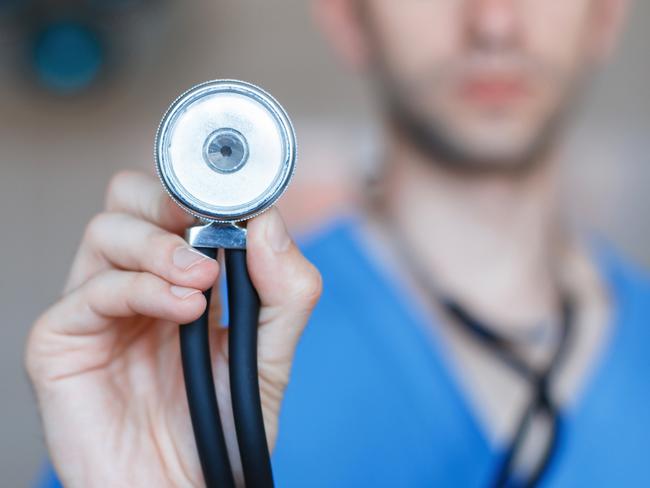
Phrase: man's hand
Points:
(105, 359)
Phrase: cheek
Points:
(415, 33)
(556, 31)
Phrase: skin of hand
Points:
(105, 362)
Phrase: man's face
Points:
(484, 81)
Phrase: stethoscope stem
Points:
(243, 305)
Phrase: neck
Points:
(490, 242)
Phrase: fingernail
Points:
(276, 233)
(182, 292)
(185, 257)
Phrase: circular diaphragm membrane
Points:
(225, 150)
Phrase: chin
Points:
(477, 143)
(501, 145)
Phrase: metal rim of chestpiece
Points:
(225, 151)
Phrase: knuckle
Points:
(92, 290)
(165, 244)
(29, 359)
(159, 238)
(116, 182)
(138, 281)
(310, 286)
(32, 357)
(95, 227)
(116, 186)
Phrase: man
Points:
(465, 336)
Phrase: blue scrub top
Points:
(373, 402)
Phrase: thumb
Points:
(288, 285)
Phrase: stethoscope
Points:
(225, 152)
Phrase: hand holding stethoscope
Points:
(105, 358)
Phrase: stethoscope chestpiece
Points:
(225, 151)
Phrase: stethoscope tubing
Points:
(244, 306)
(202, 398)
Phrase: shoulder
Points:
(629, 282)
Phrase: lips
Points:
(494, 90)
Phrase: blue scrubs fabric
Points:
(372, 401)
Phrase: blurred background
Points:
(83, 85)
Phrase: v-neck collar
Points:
(420, 320)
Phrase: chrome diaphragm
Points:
(225, 150)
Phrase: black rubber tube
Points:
(243, 306)
(202, 399)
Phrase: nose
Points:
(492, 23)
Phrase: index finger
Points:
(142, 196)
